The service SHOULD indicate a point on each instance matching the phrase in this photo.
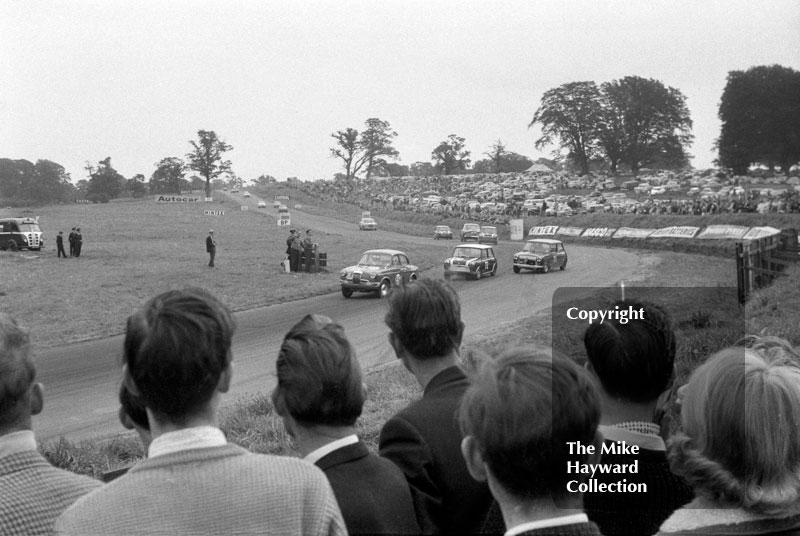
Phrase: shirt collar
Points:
(316, 455)
(15, 442)
(634, 433)
(197, 437)
(572, 519)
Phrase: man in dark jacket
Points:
(211, 248)
(72, 242)
(319, 396)
(60, 245)
(78, 242)
(424, 439)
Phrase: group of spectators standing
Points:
(75, 239)
(300, 248)
(485, 453)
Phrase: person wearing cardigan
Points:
(633, 361)
(33, 493)
(177, 360)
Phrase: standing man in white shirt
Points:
(177, 359)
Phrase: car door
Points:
(492, 260)
(561, 255)
(396, 270)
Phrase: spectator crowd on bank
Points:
(513, 448)
(496, 198)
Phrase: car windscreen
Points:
(472, 228)
(467, 252)
(367, 220)
(536, 247)
(489, 230)
(29, 228)
(375, 259)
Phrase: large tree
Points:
(760, 114)
(450, 156)
(168, 178)
(206, 157)
(496, 153)
(651, 121)
(348, 149)
(510, 162)
(368, 150)
(105, 182)
(376, 145)
(569, 116)
(41, 183)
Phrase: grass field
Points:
(130, 252)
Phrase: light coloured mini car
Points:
(473, 261)
(367, 224)
(488, 235)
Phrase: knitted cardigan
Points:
(214, 490)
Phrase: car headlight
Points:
(373, 277)
(516, 258)
(471, 263)
(447, 262)
(343, 274)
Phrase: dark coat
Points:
(210, 245)
(424, 440)
(372, 492)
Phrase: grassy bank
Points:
(702, 327)
(142, 263)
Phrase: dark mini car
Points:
(540, 254)
(470, 231)
(488, 235)
(471, 260)
(442, 231)
(367, 224)
(378, 271)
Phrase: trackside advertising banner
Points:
(570, 231)
(720, 232)
(177, 199)
(630, 232)
(675, 232)
(548, 230)
(598, 232)
(517, 229)
(760, 232)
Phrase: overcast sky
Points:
(84, 80)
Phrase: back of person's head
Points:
(522, 408)
(634, 359)
(740, 442)
(17, 372)
(319, 377)
(176, 350)
(773, 349)
(425, 316)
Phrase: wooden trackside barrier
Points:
(761, 260)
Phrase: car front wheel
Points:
(563, 266)
(546, 267)
(516, 269)
(478, 273)
(385, 288)
(346, 292)
(12, 246)
(494, 270)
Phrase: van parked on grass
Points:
(20, 233)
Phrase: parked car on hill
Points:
(488, 235)
(540, 254)
(378, 271)
(471, 261)
(262, 204)
(367, 224)
(246, 194)
(442, 231)
(470, 231)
